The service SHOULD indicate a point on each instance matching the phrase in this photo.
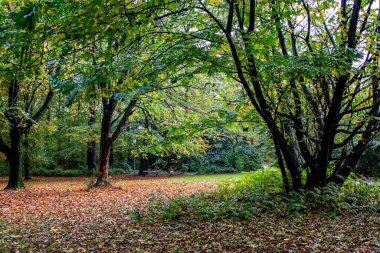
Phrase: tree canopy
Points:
(158, 77)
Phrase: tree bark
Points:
(14, 159)
(103, 168)
(91, 145)
(15, 136)
(105, 142)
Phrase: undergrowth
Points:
(57, 172)
(262, 191)
(61, 172)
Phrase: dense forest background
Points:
(191, 86)
(58, 145)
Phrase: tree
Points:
(116, 64)
(29, 76)
(122, 60)
(313, 80)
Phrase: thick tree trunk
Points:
(102, 177)
(316, 178)
(107, 137)
(26, 160)
(105, 142)
(91, 145)
(14, 159)
(295, 174)
(104, 155)
(15, 135)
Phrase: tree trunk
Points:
(91, 145)
(107, 138)
(15, 179)
(280, 161)
(27, 175)
(15, 135)
(143, 165)
(102, 177)
(316, 178)
(105, 142)
(288, 157)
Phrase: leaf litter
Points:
(62, 215)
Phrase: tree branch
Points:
(329, 34)
(43, 108)
(230, 17)
(252, 15)
(307, 38)
(170, 13)
(203, 8)
(354, 132)
(362, 28)
(128, 112)
(277, 22)
(351, 34)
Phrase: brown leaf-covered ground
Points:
(62, 215)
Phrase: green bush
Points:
(362, 193)
(224, 159)
(117, 171)
(266, 180)
(61, 172)
(261, 191)
(120, 169)
(369, 163)
(4, 170)
(57, 172)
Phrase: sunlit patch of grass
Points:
(197, 178)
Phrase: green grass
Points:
(246, 194)
(200, 178)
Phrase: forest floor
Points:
(63, 215)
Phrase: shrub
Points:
(263, 191)
(369, 163)
(364, 193)
(57, 172)
(266, 180)
(120, 168)
(118, 171)
(224, 159)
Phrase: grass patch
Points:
(202, 178)
(261, 191)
